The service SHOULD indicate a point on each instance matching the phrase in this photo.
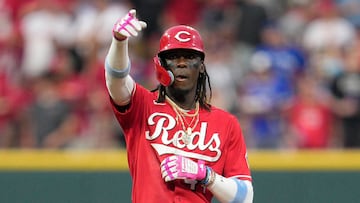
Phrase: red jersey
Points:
(312, 123)
(152, 134)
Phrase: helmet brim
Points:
(200, 53)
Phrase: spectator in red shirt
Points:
(310, 117)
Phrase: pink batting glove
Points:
(179, 167)
(128, 26)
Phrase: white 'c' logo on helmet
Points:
(183, 36)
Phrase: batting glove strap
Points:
(209, 178)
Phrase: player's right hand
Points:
(128, 26)
(179, 167)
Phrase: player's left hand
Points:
(179, 167)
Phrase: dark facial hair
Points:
(178, 94)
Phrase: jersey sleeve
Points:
(236, 164)
(132, 116)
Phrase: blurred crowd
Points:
(288, 69)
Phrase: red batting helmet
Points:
(177, 37)
(181, 37)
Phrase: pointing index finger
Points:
(132, 13)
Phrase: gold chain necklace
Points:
(181, 115)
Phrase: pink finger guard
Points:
(122, 23)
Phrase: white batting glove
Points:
(179, 167)
(128, 26)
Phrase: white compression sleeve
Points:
(117, 66)
(231, 190)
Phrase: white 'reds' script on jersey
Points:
(162, 130)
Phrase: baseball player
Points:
(180, 148)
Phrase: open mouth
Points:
(181, 77)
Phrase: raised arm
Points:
(117, 64)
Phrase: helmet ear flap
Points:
(165, 77)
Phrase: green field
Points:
(102, 176)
